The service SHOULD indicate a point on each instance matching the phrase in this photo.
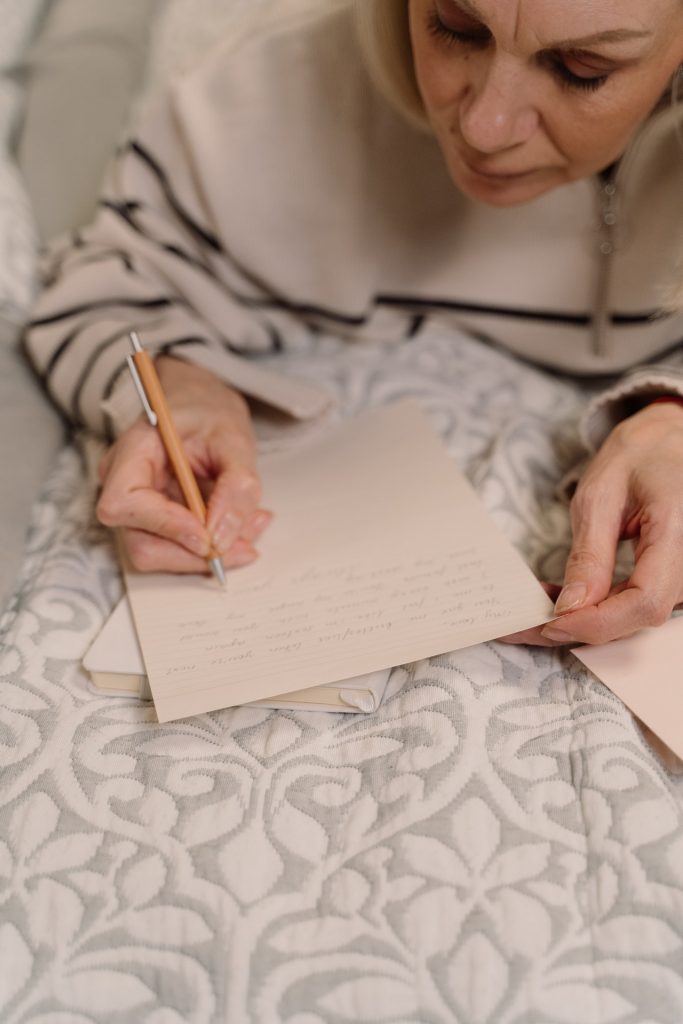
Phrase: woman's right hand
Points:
(140, 494)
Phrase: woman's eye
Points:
(588, 83)
(470, 33)
(473, 33)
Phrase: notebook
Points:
(116, 668)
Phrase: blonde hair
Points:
(384, 34)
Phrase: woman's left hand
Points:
(632, 489)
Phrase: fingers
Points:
(597, 512)
(536, 637)
(132, 497)
(632, 488)
(618, 616)
(646, 599)
(149, 553)
(233, 507)
(531, 637)
(160, 533)
(257, 524)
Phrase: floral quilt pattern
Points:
(498, 844)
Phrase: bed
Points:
(497, 843)
(500, 843)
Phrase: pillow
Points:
(85, 67)
(17, 230)
(91, 62)
(30, 437)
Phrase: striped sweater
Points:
(275, 193)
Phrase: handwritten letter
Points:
(380, 553)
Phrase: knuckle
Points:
(589, 496)
(109, 509)
(247, 484)
(583, 559)
(620, 437)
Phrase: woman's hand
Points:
(140, 493)
(632, 489)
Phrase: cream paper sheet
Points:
(380, 554)
(645, 671)
(115, 662)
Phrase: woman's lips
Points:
(497, 176)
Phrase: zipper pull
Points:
(608, 217)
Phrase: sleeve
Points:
(629, 394)
(153, 261)
(609, 407)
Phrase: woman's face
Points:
(526, 95)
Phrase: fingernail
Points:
(227, 531)
(573, 596)
(559, 635)
(261, 520)
(197, 545)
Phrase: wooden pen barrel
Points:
(169, 435)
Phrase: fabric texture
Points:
(31, 434)
(62, 101)
(18, 262)
(238, 222)
(496, 845)
(84, 70)
(626, 397)
(185, 31)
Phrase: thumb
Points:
(596, 528)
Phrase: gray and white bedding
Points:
(498, 844)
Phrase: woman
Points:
(511, 166)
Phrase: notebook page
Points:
(115, 654)
(380, 553)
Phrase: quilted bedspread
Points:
(498, 844)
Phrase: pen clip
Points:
(142, 394)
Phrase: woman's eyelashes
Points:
(479, 37)
(587, 83)
(471, 34)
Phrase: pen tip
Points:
(218, 570)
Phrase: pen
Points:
(156, 408)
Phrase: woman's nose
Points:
(496, 112)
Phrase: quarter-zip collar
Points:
(610, 190)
